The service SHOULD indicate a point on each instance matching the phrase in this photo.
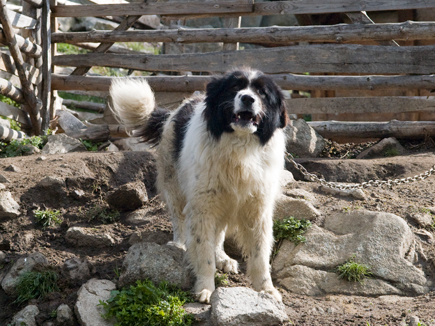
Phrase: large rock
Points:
(9, 208)
(303, 140)
(23, 265)
(87, 308)
(61, 144)
(26, 316)
(298, 208)
(88, 237)
(386, 147)
(382, 241)
(77, 270)
(157, 263)
(64, 315)
(243, 306)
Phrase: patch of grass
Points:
(47, 217)
(9, 101)
(220, 279)
(17, 147)
(291, 229)
(36, 284)
(391, 152)
(147, 304)
(353, 271)
(102, 214)
(81, 98)
(66, 48)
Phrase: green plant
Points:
(47, 217)
(147, 304)
(90, 145)
(291, 229)
(102, 214)
(18, 147)
(66, 48)
(352, 271)
(220, 279)
(36, 284)
(9, 101)
(53, 313)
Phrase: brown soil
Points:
(99, 173)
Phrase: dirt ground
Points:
(99, 173)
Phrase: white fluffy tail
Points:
(132, 102)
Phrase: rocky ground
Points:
(80, 182)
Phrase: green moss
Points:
(17, 147)
(102, 214)
(147, 304)
(290, 229)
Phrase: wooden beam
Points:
(25, 45)
(275, 35)
(35, 3)
(14, 113)
(103, 47)
(394, 128)
(341, 58)
(7, 134)
(46, 69)
(26, 86)
(20, 21)
(92, 106)
(7, 64)
(154, 8)
(338, 105)
(9, 90)
(285, 81)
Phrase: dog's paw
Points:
(274, 292)
(204, 296)
(227, 264)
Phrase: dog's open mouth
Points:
(246, 118)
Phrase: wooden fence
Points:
(357, 56)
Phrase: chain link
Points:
(371, 183)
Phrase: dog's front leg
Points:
(258, 246)
(201, 244)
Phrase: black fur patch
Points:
(152, 131)
(181, 120)
(220, 104)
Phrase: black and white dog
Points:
(220, 158)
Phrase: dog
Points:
(219, 161)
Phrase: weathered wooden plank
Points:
(29, 48)
(14, 113)
(7, 134)
(154, 8)
(333, 6)
(35, 3)
(7, 64)
(338, 105)
(276, 35)
(9, 90)
(97, 107)
(19, 20)
(347, 58)
(285, 81)
(46, 69)
(394, 128)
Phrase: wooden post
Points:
(46, 65)
(34, 104)
(231, 23)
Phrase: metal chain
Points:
(371, 183)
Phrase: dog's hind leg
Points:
(223, 261)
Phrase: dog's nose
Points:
(247, 99)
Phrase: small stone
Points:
(139, 217)
(287, 179)
(201, 312)
(12, 168)
(88, 237)
(77, 270)
(29, 149)
(422, 219)
(51, 181)
(3, 179)
(61, 143)
(128, 197)
(2, 186)
(355, 193)
(386, 147)
(78, 194)
(64, 315)
(2, 256)
(414, 321)
(41, 158)
(26, 316)
(9, 208)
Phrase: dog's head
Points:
(245, 102)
